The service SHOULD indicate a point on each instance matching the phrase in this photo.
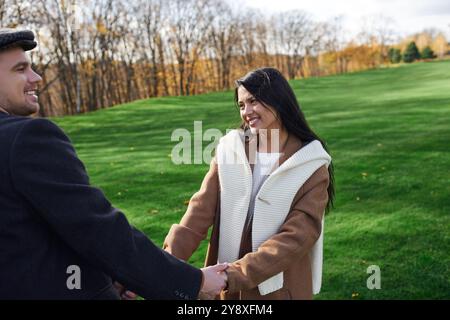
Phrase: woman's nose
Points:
(248, 109)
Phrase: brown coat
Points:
(286, 251)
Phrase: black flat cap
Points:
(14, 37)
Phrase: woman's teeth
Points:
(253, 121)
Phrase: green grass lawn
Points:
(388, 131)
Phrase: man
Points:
(60, 238)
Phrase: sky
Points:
(410, 16)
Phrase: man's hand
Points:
(214, 281)
(124, 293)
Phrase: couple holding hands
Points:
(264, 196)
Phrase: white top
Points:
(265, 163)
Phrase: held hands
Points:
(214, 281)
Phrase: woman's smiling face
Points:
(255, 114)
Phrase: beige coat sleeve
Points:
(296, 237)
(184, 238)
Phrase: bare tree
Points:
(150, 17)
(378, 30)
(61, 22)
(3, 6)
(188, 26)
(334, 42)
(224, 39)
(295, 30)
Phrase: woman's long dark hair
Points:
(271, 88)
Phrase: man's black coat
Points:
(51, 218)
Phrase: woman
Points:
(265, 193)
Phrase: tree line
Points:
(99, 53)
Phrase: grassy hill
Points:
(388, 131)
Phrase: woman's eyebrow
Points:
(247, 99)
